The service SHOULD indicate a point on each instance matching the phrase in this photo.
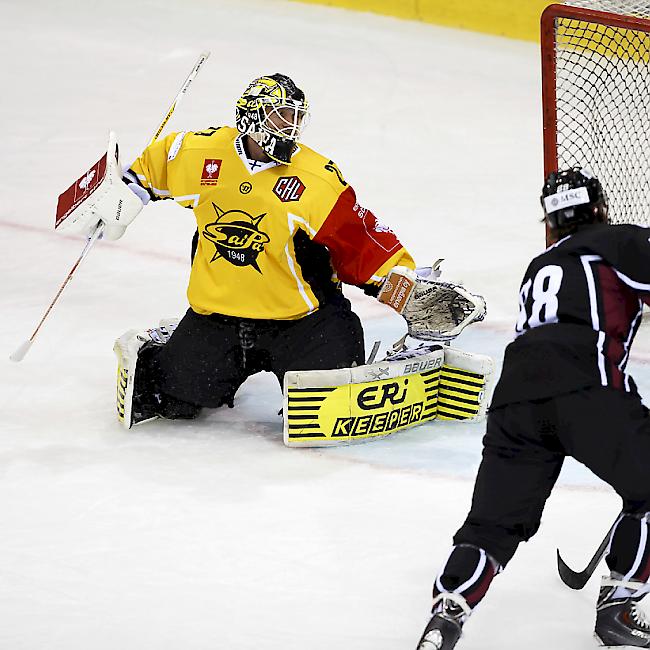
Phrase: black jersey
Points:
(580, 305)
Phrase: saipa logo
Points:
(211, 170)
(236, 237)
(85, 182)
(289, 188)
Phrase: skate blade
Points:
(600, 643)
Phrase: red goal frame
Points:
(549, 106)
(548, 60)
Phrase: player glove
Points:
(433, 310)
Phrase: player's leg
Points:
(461, 584)
(199, 365)
(619, 620)
(138, 395)
(609, 431)
(331, 337)
(521, 462)
(203, 362)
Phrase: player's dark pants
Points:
(524, 448)
(209, 357)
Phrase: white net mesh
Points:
(602, 89)
(622, 7)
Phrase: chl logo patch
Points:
(211, 170)
(236, 237)
(289, 188)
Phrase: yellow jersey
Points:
(266, 231)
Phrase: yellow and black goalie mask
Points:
(273, 111)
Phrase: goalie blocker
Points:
(99, 197)
(330, 407)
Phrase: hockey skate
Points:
(444, 629)
(619, 620)
(134, 406)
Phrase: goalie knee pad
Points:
(136, 398)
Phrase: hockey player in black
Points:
(564, 391)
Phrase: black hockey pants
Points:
(209, 357)
(524, 448)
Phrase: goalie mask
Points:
(273, 112)
(573, 197)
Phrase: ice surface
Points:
(212, 534)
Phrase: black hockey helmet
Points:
(573, 197)
(273, 111)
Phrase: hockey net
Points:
(620, 7)
(596, 98)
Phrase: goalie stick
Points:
(22, 350)
(578, 579)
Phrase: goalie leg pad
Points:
(333, 407)
(330, 407)
(136, 401)
(466, 384)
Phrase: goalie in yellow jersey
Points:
(278, 230)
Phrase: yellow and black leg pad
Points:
(466, 383)
(333, 407)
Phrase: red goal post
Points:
(596, 102)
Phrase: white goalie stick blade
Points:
(332, 407)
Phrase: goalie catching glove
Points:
(99, 195)
(433, 310)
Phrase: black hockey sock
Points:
(468, 572)
(629, 551)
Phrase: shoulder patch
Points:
(289, 188)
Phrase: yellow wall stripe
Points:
(512, 18)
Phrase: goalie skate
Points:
(131, 408)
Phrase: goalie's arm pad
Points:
(110, 201)
(434, 310)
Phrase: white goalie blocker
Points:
(433, 382)
(99, 195)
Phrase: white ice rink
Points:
(211, 534)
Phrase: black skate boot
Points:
(619, 620)
(444, 629)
